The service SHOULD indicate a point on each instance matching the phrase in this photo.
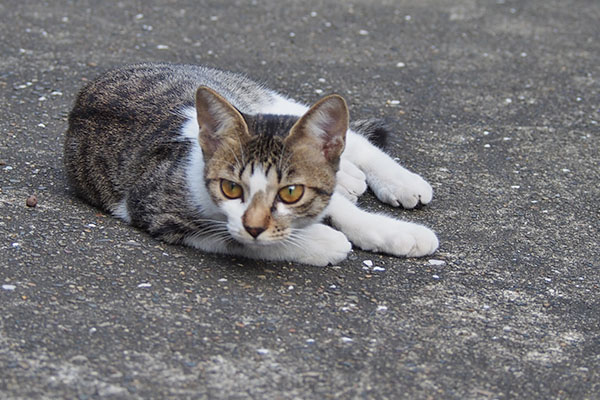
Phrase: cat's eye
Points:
(231, 190)
(291, 194)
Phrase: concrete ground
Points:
(495, 102)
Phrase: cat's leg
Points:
(380, 233)
(391, 183)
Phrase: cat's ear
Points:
(219, 122)
(323, 126)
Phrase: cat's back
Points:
(153, 88)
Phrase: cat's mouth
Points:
(262, 240)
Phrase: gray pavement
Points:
(496, 103)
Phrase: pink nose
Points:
(254, 231)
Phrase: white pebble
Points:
(41, 125)
(515, 187)
(310, 341)
(15, 244)
(162, 47)
(291, 287)
(368, 263)
(394, 102)
(322, 80)
(222, 280)
(436, 277)
(400, 65)
(382, 308)
(42, 98)
(318, 91)
(487, 146)
(347, 339)
(8, 287)
(378, 269)
(262, 351)
(363, 32)
(437, 262)
(144, 285)
(508, 101)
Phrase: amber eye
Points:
(291, 194)
(231, 190)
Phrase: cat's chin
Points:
(259, 242)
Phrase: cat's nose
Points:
(254, 231)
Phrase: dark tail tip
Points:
(376, 130)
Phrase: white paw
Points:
(398, 186)
(323, 245)
(398, 238)
(351, 181)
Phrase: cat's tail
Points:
(375, 129)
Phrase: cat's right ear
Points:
(220, 123)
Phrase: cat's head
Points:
(270, 175)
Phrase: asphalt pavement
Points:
(496, 103)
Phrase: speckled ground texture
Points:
(496, 103)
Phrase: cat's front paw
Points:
(398, 238)
(398, 186)
(351, 181)
(323, 245)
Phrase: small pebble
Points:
(368, 263)
(144, 285)
(378, 269)
(437, 262)
(31, 201)
(8, 287)
(347, 339)
(262, 351)
(382, 308)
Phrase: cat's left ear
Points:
(323, 126)
(220, 123)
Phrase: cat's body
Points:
(216, 161)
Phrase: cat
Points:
(216, 161)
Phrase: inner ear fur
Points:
(323, 126)
(220, 123)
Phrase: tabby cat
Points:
(215, 161)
